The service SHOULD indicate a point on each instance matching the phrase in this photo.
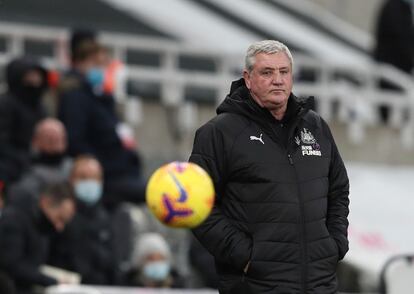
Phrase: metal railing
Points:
(352, 87)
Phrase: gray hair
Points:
(267, 47)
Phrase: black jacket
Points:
(91, 123)
(282, 206)
(85, 246)
(24, 245)
(20, 110)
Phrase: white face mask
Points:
(88, 191)
(156, 270)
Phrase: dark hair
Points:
(58, 192)
(80, 35)
(86, 50)
(83, 157)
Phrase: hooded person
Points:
(20, 110)
(279, 221)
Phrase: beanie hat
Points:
(149, 243)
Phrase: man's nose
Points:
(277, 78)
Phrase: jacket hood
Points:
(239, 101)
(17, 68)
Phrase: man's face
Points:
(50, 137)
(270, 81)
(33, 78)
(88, 169)
(59, 214)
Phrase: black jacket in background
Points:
(395, 35)
(283, 205)
(91, 123)
(18, 117)
(86, 246)
(24, 245)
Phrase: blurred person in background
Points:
(395, 41)
(25, 232)
(49, 163)
(152, 264)
(86, 244)
(279, 224)
(93, 127)
(78, 37)
(20, 109)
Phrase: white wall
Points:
(361, 13)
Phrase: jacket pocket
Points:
(335, 247)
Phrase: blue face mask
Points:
(88, 191)
(95, 77)
(157, 270)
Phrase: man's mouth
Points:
(277, 91)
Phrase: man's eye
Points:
(284, 72)
(266, 73)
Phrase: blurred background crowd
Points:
(95, 94)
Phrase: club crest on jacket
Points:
(309, 145)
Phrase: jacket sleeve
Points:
(73, 112)
(217, 234)
(338, 201)
(12, 256)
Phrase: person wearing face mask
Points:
(26, 230)
(93, 127)
(86, 245)
(152, 264)
(20, 109)
(49, 163)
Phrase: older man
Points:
(49, 162)
(279, 224)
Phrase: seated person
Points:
(25, 234)
(85, 246)
(49, 163)
(152, 266)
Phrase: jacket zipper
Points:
(303, 248)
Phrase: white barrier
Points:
(355, 89)
(72, 289)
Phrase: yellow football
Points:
(180, 194)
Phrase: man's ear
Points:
(246, 77)
(43, 201)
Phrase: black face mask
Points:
(30, 95)
(49, 159)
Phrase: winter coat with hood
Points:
(282, 197)
(20, 110)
